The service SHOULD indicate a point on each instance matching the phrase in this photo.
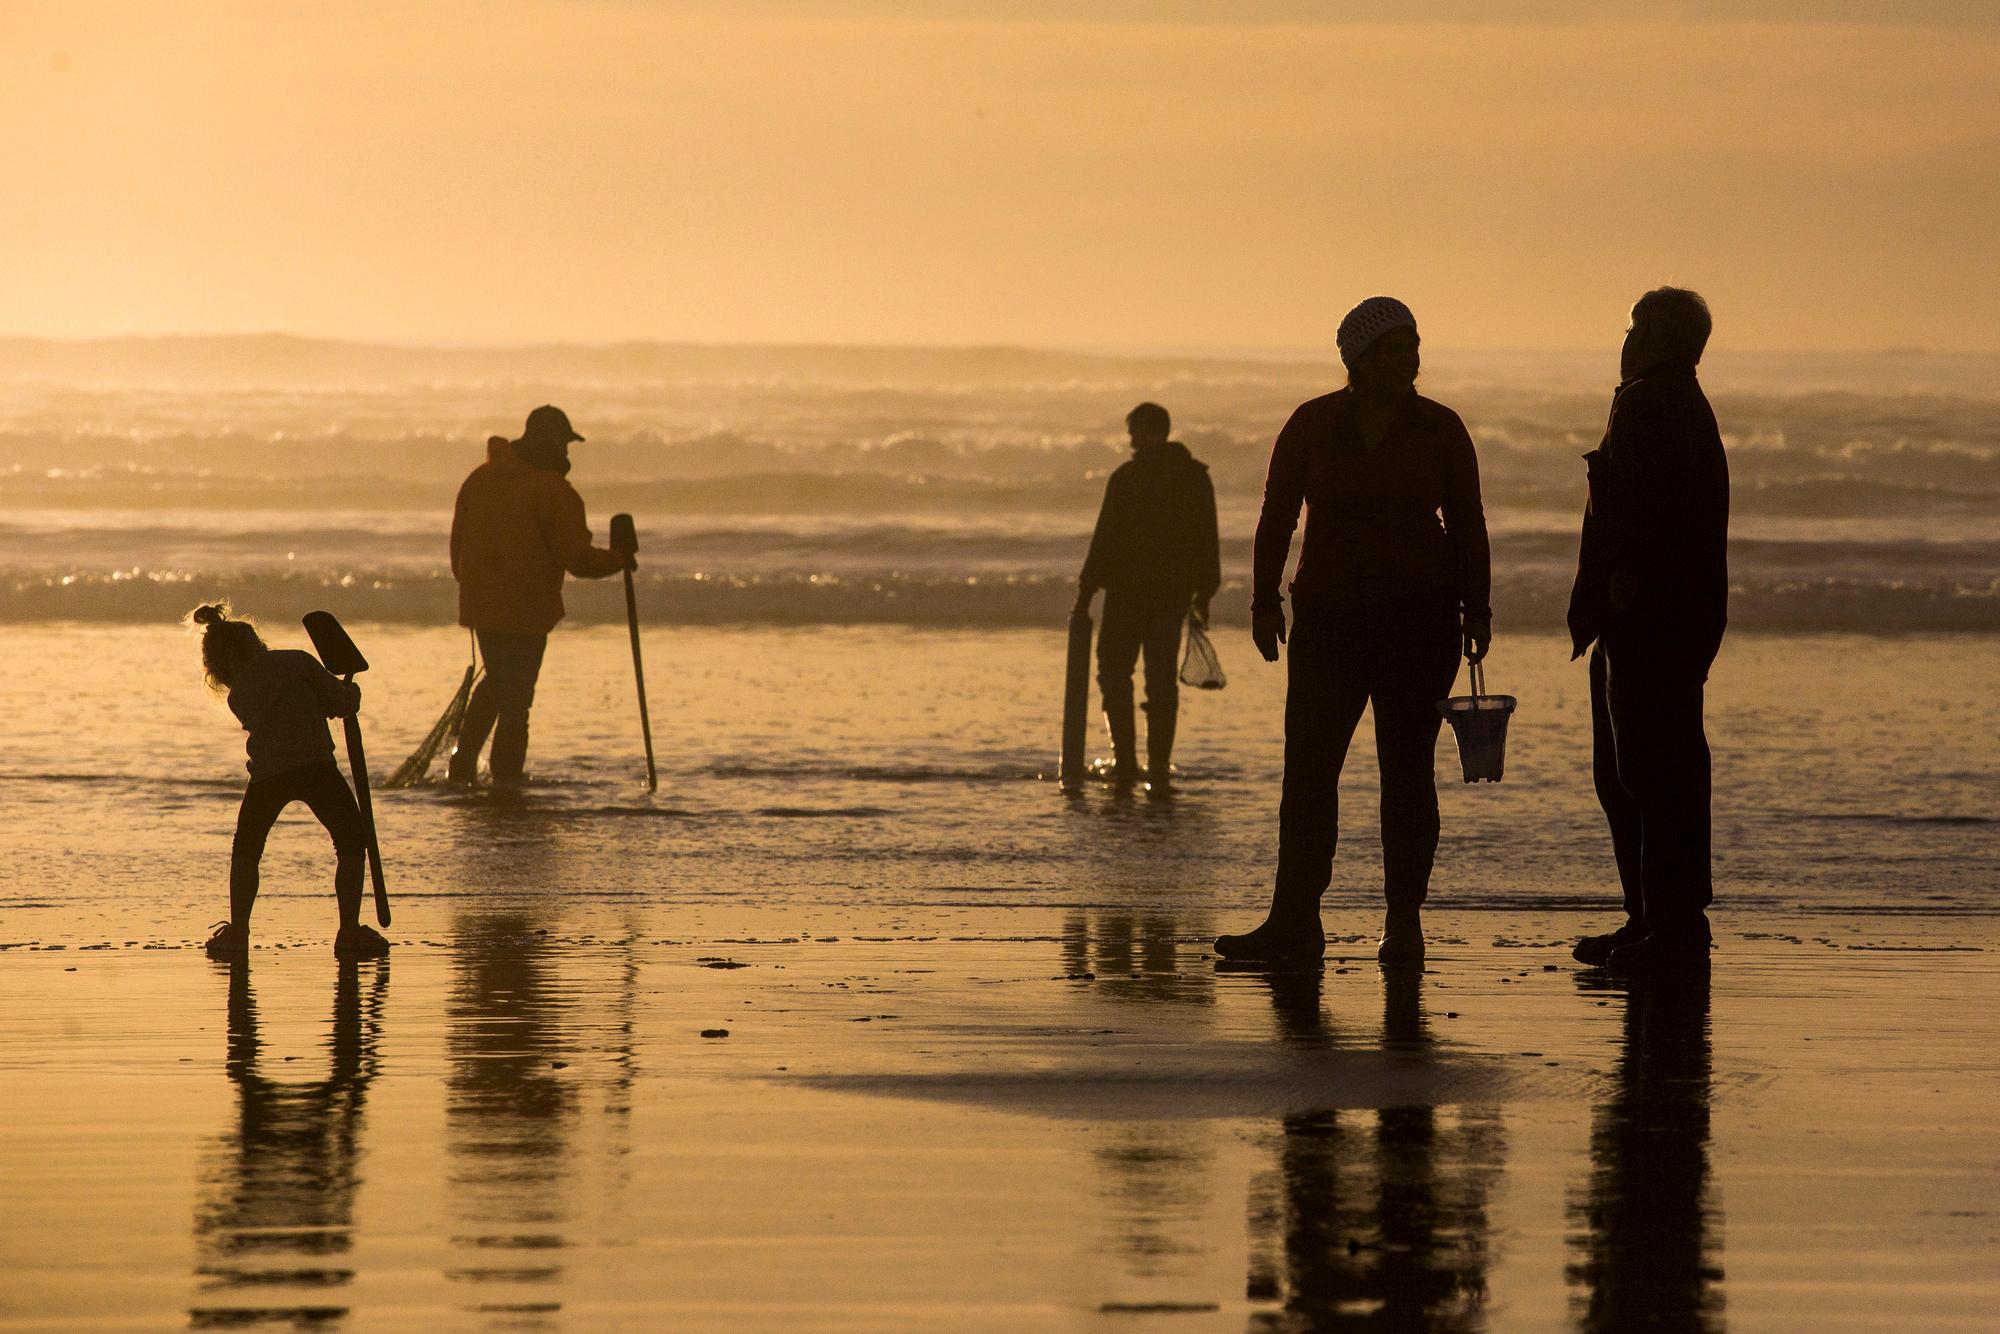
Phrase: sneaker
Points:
(1596, 950)
(228, 941)
(1660, 954)
(1402, 939)
(359, 942)
(1275, 944)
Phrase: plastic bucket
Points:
(1479, 721)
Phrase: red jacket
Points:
(516, 530)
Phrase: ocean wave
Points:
(1523, 597)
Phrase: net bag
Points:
(442, 736)
(1200, 667)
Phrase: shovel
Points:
(625, 539)
(344, 660)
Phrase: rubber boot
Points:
(1290, 934)
(1160, 724)
(1124, 741)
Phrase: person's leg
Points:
(1118, 643)
(263, 799)
(1414, 671)
(1663, 762)
(1325, 693)
(1162, 645)
(331, 801)
(482, 708)
(523, 657)
(1621, 814)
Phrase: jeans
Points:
(1132, 626)
(503, 696)
(1402, 657)
(1649, 759)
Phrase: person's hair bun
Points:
(208, 615)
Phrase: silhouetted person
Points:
(518, 527)
(283, 699)
(1650, 1227)
(1652, 593)
(278, 1215)
(1154, 553)
(1391, 585)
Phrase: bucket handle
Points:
(1478, 679)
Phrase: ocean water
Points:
(855, 571)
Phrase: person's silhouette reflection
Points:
(1372, 1218)
(1649, 1228)
(509, 1113)
(278, 1208)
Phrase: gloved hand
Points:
(1200, 609)
(1476, 637)
(1267, 630)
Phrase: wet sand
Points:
(1001, 1119)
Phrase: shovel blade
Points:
(336, 651)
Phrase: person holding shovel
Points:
(1155, 554)
(1392, 585)
(518, 528)
(283, 698)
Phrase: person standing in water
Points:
(283, 698)
(1392, 584)
(518, 528)
(1652, 596)
(1155, 555)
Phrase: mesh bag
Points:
(1200, 667)
(443, 734)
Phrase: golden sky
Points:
(1184, 175)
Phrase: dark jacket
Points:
(1155, 536)
(1653, 564)
(1385, 525)
(517, 528)
(283, 698)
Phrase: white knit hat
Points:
(1368, 322)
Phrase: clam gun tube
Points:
(338, 654)
(625, 538)
(1076, 702)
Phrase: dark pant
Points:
(326, 795)
(1402, 657)
(1132, 626)
(504, 694)
(1649, 758)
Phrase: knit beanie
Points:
(1368, 322)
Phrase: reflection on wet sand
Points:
(1650, 1230)
(277, 1212)
(1372, 1218)
(509, 1116)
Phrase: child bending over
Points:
(283, 698)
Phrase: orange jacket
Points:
(516, 529)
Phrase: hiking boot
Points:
(1276, 942)
(1596, 950)
(228, 941)
(1659, 954)
(1402, 937)
(359, 942)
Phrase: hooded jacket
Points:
(1653, 562)
(1155, 535)
(516, 530)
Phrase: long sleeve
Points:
(1208, 561)
(337, 698)
(457, 527)
(1465, 525)
(568, 536)
(1104, 538)
(1284, 494)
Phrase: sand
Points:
(1014, 1119)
